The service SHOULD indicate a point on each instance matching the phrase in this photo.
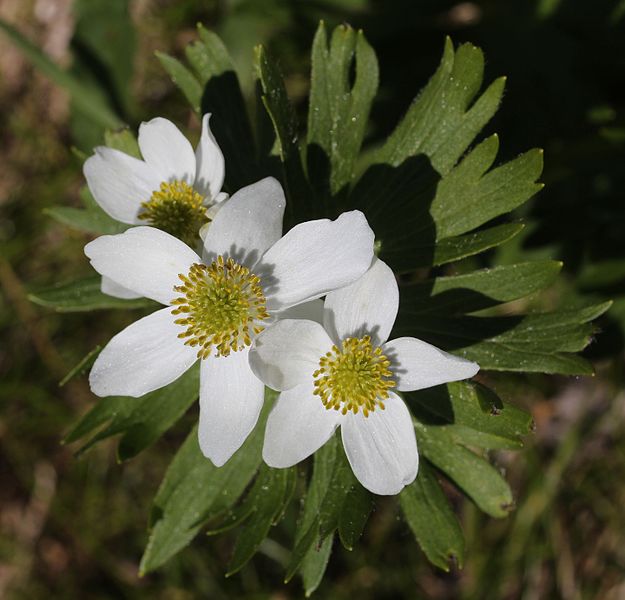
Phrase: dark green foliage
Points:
(141, 421)
(83, 295)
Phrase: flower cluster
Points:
(245, 301)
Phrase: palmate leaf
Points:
(451, 422)
(445, 117)
(470, 195)
(543, 342)
(338, 111)
(425, 192)
(472, 414)
(416, 194)
(461, 294)
(478, 419)
(436, 311)
(413, 208)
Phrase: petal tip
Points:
(218, 456)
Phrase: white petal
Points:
(110, 288)
(316, 257)
(209, 176)
(248, 223)
(418, 365)
(366, 307)
(143, 259)
(167, 150)
(297, 426)
(120, 183)
(382, 448)
(145, 356)
(230, 401)
(287, 353)
(311, 311)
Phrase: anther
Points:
(355, 377)
(224, 306)
(177, 209)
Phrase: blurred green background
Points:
(75, 528)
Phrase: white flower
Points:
(344, 373)
(174, 188)
(217, 304)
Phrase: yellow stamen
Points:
(355, 377)
(224, 305)
(177, 209)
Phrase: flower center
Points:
(224, 305)
(355, 377)
(177, 209)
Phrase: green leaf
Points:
(297, 189)
(457, 247)
(183, 78)
(85, 220)
(123, 140)
(338, 112)
(470, 196)
(395, 200)
(450, 420)
(84, 98)
(91, 219)
(331, 483)
(472, 473)
(222, 96)
(354, 515)
(231, 519)
(104, 34)
(83, 364)
(213, 87)
(208, 56)
(314, 565)
(106, 409)
(192, 487)
(472, 414)
(542, 343)
(445, 117)
(82, 295)
(432, 520)
(417, 198)
(272, 489)
(479, 289)
(142, 420)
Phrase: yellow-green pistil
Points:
(223, 304)
(177, 209)
(354, 377)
